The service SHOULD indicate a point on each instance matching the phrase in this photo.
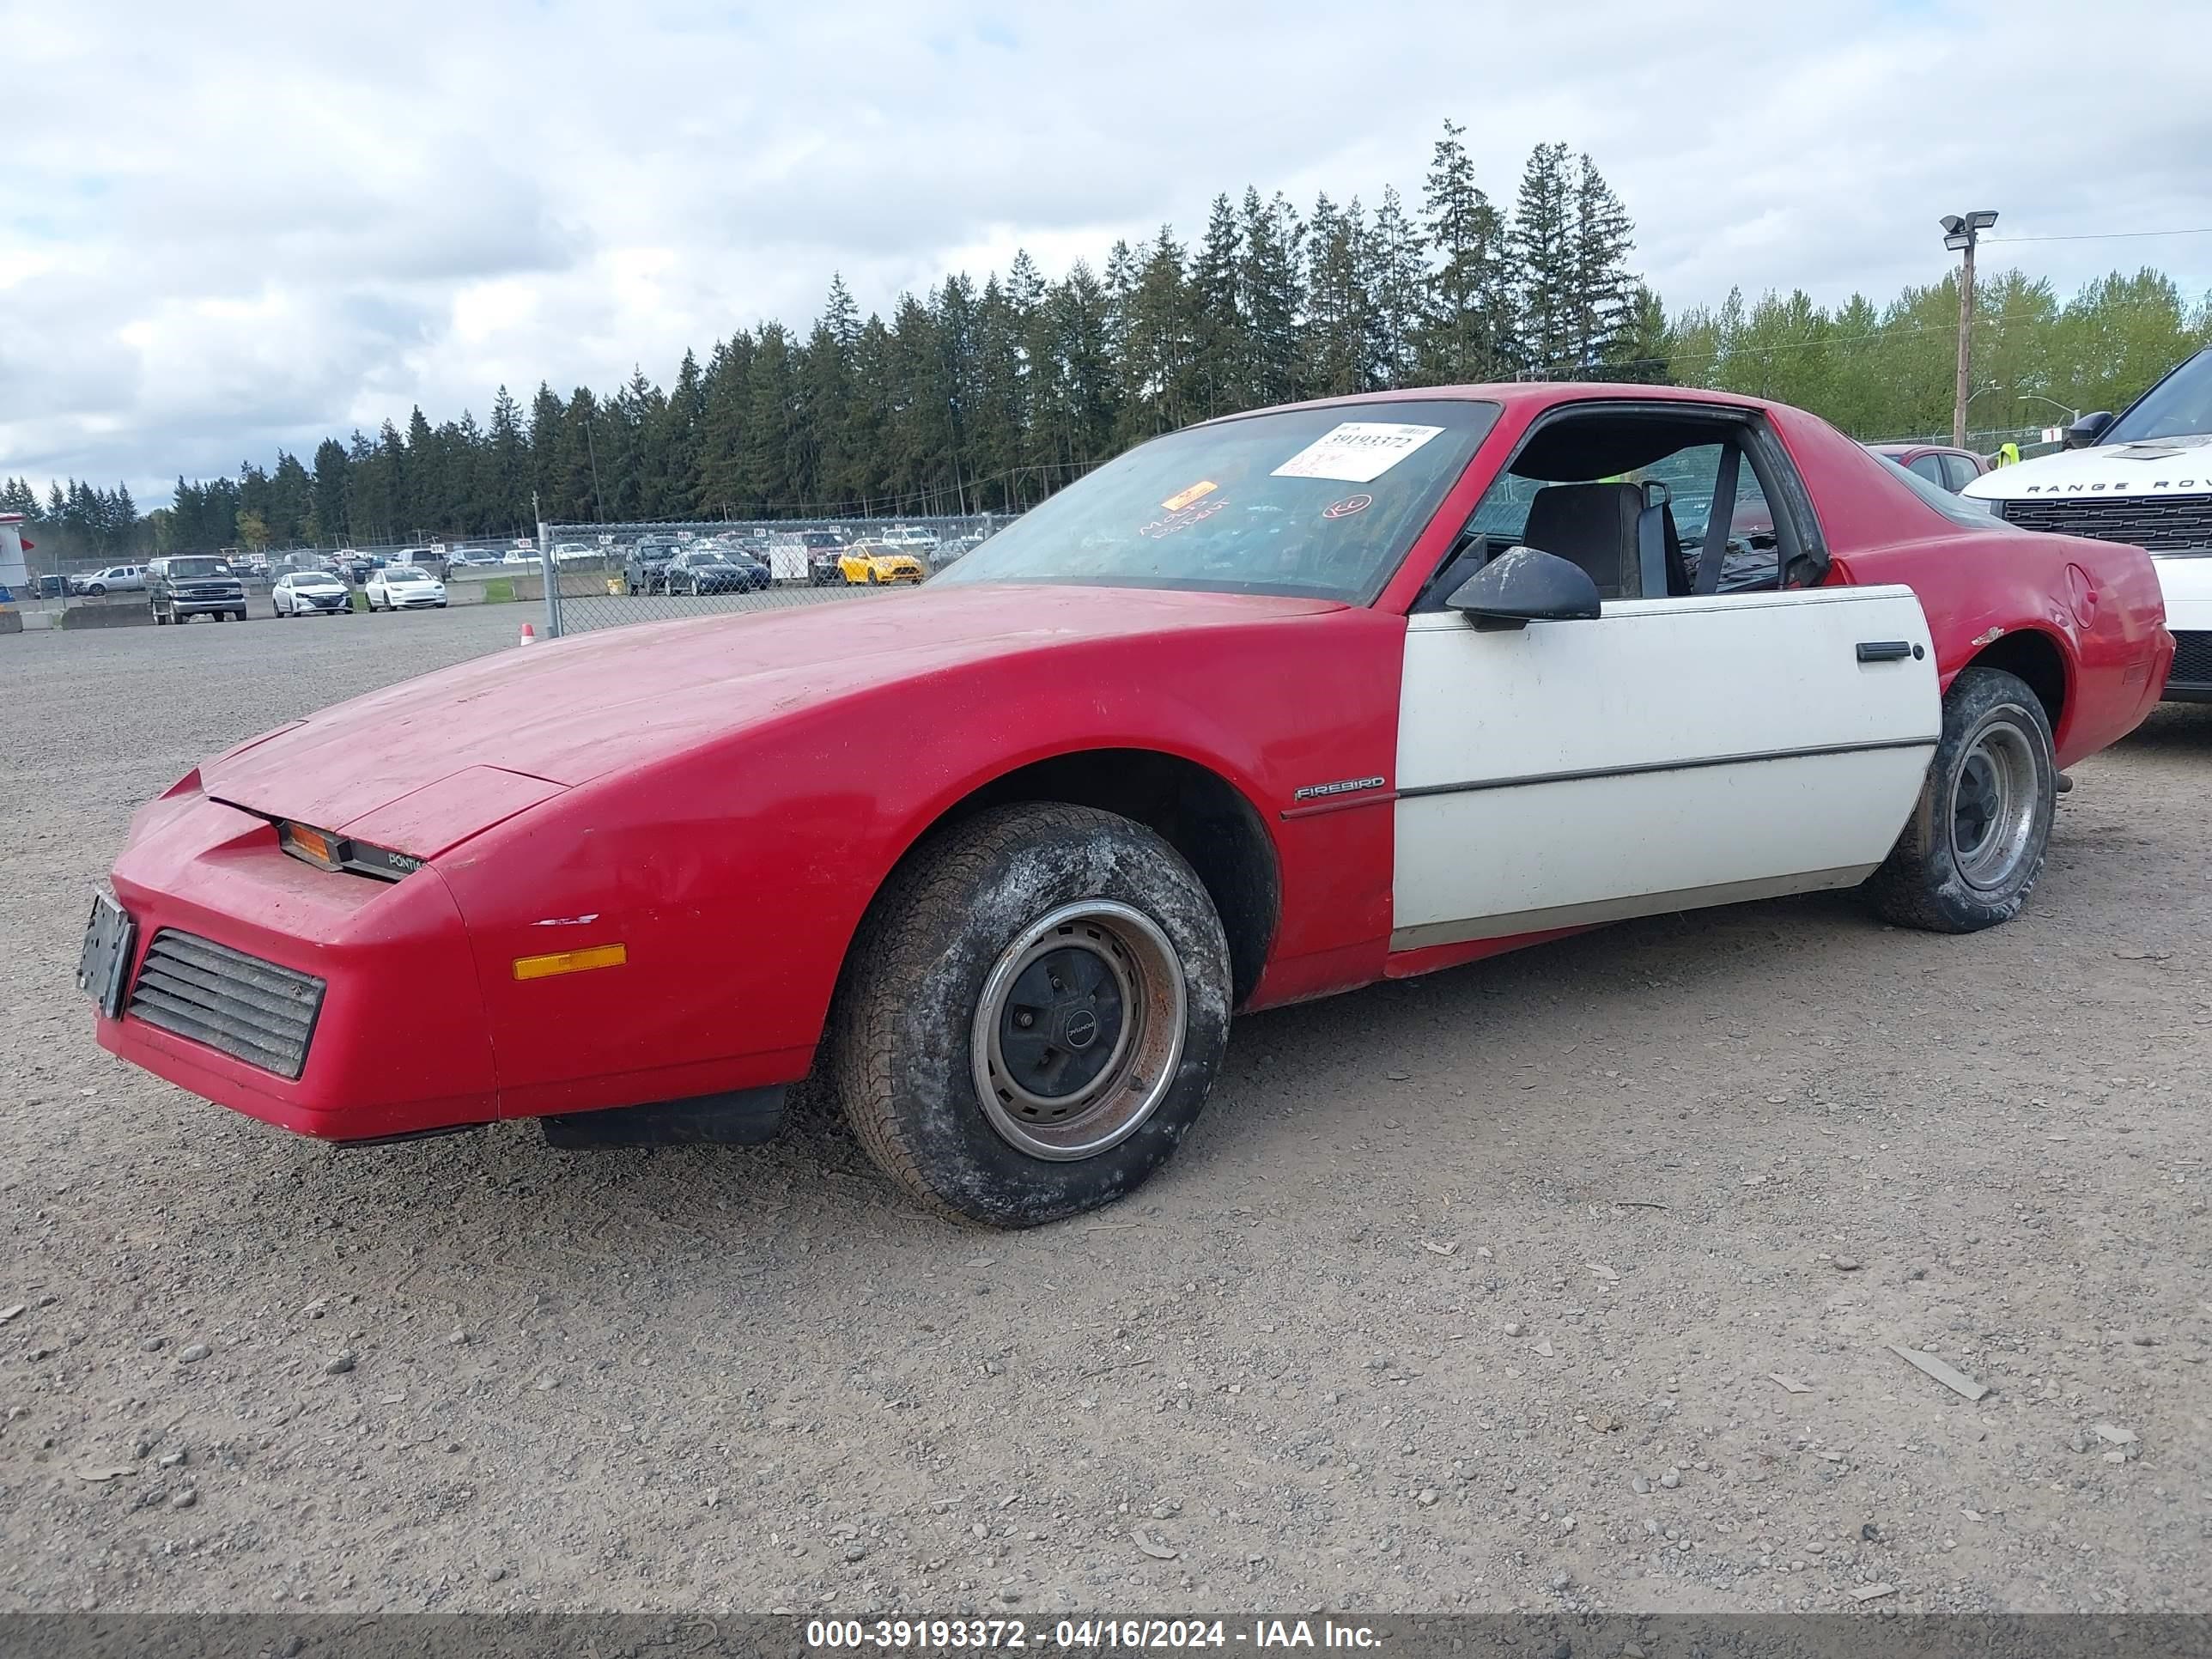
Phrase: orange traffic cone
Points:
(528, 636)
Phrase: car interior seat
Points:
(1597, 527)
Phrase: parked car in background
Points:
(404, 587)
(823, 548)
(310, 594)
(909, 539)
(186, 585)
(520, 555)
(50, 586)
(2145, 478)
(711, 570)
(463, 558)
(645, 569)
(575, 553)
(875, 564)
(116, 579)
(1944, 467)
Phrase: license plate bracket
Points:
(105, 962)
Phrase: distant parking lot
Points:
(1564, 1282)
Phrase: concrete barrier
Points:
(93, 613)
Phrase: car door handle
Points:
(1886, 650)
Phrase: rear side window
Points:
(1959, 509)
(1930, 467)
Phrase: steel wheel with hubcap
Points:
(1977, 841)
(1079, 1029)
(1032, 1013)
(1993, 799)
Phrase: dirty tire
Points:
(904, 1059)
(1976, 842)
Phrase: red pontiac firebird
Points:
(1267, 708)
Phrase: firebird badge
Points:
(1346, 787)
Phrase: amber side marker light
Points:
(570, 962)
(312, 843)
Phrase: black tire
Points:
(97, 591)
(977, 911)
(1976, 842)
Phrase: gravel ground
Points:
(1476, 1291)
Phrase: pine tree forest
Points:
(988, 397)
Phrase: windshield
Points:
(197, 568)
(2178, 406)
(820, 539)
(1319, 502)
(405, 573)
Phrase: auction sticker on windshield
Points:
(1356, 452)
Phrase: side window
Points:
(1962, 471)
(1930, 467)
(1628, 495)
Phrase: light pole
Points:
(1961, 233)
(2071, 415)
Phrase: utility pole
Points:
(1961, 232)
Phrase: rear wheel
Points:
(1977, 841)
(1033, 1015)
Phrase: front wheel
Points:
(1033, 1014)
(1976, 843)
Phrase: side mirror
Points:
(2086, 430)
(1522, 585)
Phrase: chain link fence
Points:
(602, 575)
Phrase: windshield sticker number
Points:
(1183, 498)
(1356, 452)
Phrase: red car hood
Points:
(420, 766)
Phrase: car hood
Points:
(2157, 466)
(420, 766)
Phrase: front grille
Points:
(250, 1009)
(2162, 524)
(2192, 660)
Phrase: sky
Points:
(228, 228)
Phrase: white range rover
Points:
(2145, 477)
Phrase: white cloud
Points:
(226, 228)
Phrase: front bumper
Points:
(400, 1042)
(2189, 679)
(207, 605)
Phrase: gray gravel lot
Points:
(1471, 1291)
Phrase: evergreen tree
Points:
(1397, 282)
(507, 486)
(1603, 292)
(1224, 342)
(1272, 280)
(328, 515)
(1544, 255)
(1467, 332)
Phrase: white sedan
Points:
(310, 592)
(404, 587)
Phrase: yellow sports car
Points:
(869, 562)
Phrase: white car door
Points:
(1667, 754)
